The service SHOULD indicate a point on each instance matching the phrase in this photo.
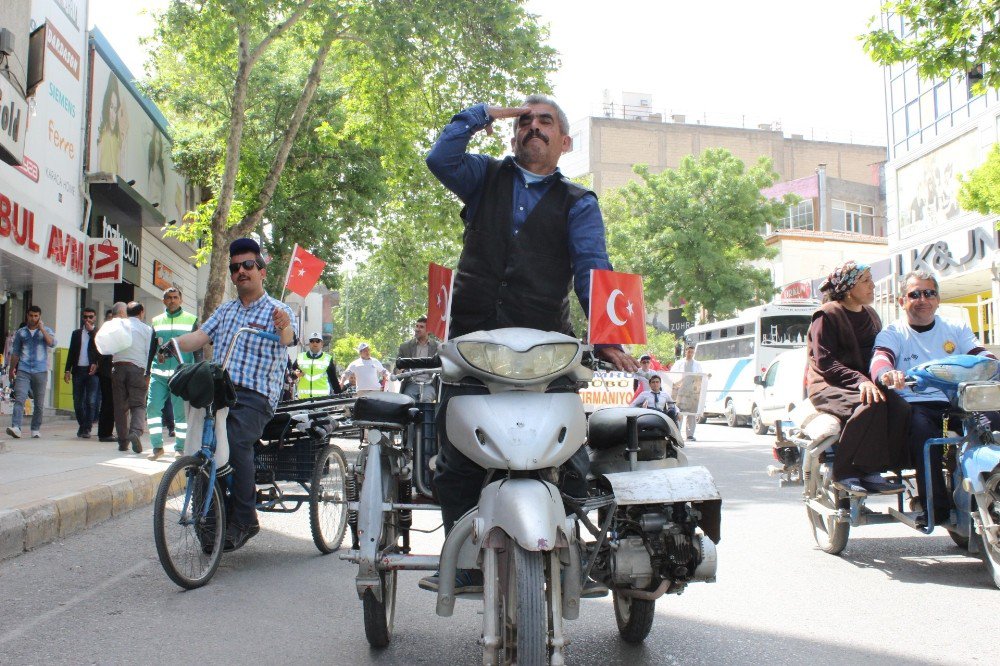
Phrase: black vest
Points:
(506, 280)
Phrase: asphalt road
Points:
(100, 597)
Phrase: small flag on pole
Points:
(617, 308)
(439, 284)
(303, 271)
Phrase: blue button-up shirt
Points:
(464, 174)
(30, 348)
(256, 363)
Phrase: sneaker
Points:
(155, 455)
(135, 442)
(691, 438)
(467, 581)
(83, 435)
(35, 434)
(14, 432)
(237, 536)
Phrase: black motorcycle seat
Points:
(383, 408)
(609, 427)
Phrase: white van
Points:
(779, 390)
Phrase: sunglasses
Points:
(926, 293)
(246, 264)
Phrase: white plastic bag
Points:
(113, 336)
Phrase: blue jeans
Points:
(86, 390)
(35, 382)
(244, 426)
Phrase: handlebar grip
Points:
(418, 363)
(273, 337)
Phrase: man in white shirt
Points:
(688, 365)
(365, 373)
(130, 378)
(656, 398)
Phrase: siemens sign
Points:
(62, 100)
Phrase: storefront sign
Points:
(22, 232)
(677, 323)
(608, 389)
(71, 9)
(163, 276)
(29, 168)
(63, 51)
(954, 253)
(13, 119)
(104, 260)
(796, 291)
(130, 251)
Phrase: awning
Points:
(113, 191)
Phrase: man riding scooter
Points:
(923, 336)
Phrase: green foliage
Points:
(943, 37)
(694, 232)
(355, 177)
(980, 191)
(660, 344)
(345, 350)
(374, 306)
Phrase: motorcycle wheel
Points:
(830, 535)
(523, 609)
(991, 554)
(633, 616)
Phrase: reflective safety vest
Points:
(314, 380)
(166, 327)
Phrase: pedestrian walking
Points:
(130, 380)
(365, 373)
(106, 411)
(29, 369)
(173, 323)
(81, 371)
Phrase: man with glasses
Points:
(257, 368)
(923, 336)
(173, 323)
(81, 370)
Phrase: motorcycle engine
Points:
(649, 544)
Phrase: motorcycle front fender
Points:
(978, 463)
(529, 511)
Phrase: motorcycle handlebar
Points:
(594, 363)
(418, 363)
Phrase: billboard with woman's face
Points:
(125, 141)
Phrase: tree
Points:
(980, 191)
(240, 78)
(660, 344)
(943, 38)
(694, 232)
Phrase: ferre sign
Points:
(62, 50)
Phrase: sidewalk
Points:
(58, 485)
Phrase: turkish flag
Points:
(439, 283)
(617, 308)
(303, 271)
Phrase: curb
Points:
(28, 526)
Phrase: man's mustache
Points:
(533, 134)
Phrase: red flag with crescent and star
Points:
(617, 308)
(303, 271)
(439, 283)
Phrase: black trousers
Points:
(244, 426)
(927, 421)
(106, 417)
(458, 481)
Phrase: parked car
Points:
(779, 390)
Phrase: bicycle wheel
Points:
(328, 500)
(187, 542)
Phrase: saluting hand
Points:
(501, 112)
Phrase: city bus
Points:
(734, 351)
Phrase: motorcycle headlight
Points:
(505, 362)
(979, 397)
(983, 369)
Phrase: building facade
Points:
(938, 130)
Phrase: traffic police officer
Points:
(316, 370)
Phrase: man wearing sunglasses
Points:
(923, 336)
(257, 368)
(81, 370)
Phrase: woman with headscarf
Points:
(874, 420)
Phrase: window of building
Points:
(854, 218)
(799, 216)
(942, 100)
(912, 118)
